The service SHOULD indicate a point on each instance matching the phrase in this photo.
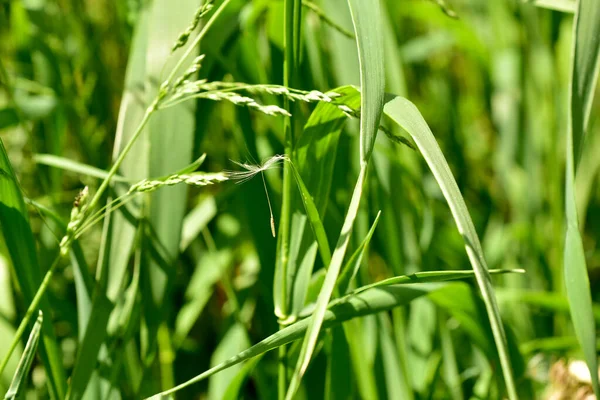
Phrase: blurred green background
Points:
(492, 85)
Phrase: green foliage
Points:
(201, 268)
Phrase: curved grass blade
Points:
(26, 359)
(434, 276)
(368, 302)
(585, 67)
(407, 116)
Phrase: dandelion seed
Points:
(251, 170)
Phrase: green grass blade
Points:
(234, 341)
(113, 260)
(585, 67)
(567, 6)
(87, 354)
(313, 217)
(353, 264)
(170, 149)
(26, 360)
(366, 303)
(586, 64)
(366, 16)
(406, 115)
(433, 276)
(74, 166)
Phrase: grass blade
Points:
(355, 261)
(405, 114)
(366, 16)
(74, 166)
(585, 66)
(313, 217)
(433, 276)
(26, 360)
(87, 354)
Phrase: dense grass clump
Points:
(398, 196)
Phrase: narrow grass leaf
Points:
(433, 276)
(313, 217)
(353, 264)
(74, 166)
(585, 66)
(407, 116)
(26, 360)
(366, 16)
(90, 346)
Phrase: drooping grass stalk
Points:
(70, 236)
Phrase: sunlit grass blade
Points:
(568, 6)
(405, 114)
(26, 360)
(585, 67)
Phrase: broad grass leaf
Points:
(170, 148)
(407, 116)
